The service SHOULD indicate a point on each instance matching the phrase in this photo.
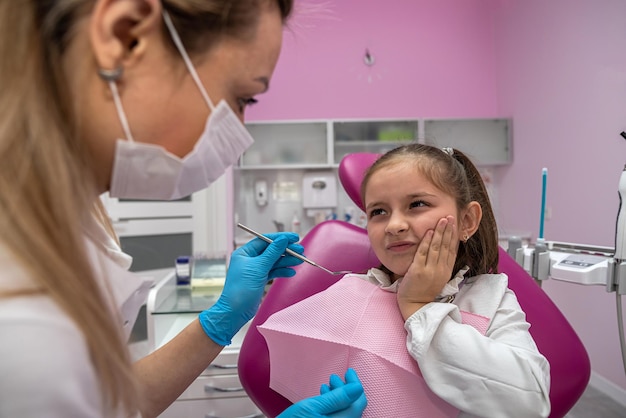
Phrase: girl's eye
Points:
(243, 103)
(375, 212)
(418, 204)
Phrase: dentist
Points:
(144, 99)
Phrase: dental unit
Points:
(577, 263)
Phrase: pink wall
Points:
(556, 67)
(562, 76)
(433, 59)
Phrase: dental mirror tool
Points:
(293, 253)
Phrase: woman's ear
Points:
(470, 219)
(119, 30)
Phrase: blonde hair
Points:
(47, 190)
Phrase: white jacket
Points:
(45, 364)
(499, 374)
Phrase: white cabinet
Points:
(214, 395)
(372, 136)
(284, 153)
(217, 392)
(485, 141)
(323, 143)
(293, 144)
(213, 408)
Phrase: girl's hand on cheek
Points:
(431, 268)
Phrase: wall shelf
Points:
(323, 143)
(485, 141)
(284, 152)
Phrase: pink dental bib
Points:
(354, 324)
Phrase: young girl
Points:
(430, 224)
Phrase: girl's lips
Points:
(400, 246)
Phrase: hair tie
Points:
(448, 151)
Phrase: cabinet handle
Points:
(255, 415)
(223, 366)
(209, 388)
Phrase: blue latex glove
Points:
(336, 400)
(251, 266)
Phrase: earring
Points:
(111, 75)
(465, 238)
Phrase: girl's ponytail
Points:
(483, 245)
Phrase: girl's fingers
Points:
(449, 242)
(421, 255)
(432, 264)
(435, 251)
(443, 243)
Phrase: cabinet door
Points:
(213, 408)
(225, 363)
(484, 141)
(372, 136)
(286, 144)
(214, 386)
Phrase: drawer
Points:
(219, 386)
(225, 363)
(241, 407)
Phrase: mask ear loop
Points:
(111, 77)
(188, 63)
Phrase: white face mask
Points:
(147, 171)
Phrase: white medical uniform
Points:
(45, 366)
(499, 374)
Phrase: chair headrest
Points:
(351, 171)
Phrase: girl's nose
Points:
(396, 225)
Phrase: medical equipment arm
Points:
(620, 230)
(251, 266)
(584, 264)
(616, 282)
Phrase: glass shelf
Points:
(286, 144)
(484, 141)
(285, 167)
(189, 300)
(376, 131)
(207, 282)
(372, 136)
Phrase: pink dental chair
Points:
(339, 245)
